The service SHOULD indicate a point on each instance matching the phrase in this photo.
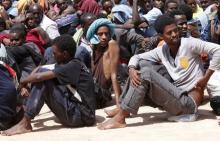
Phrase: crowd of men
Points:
(78, 56)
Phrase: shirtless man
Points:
(104, 60)
(181, 58)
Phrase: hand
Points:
(22, 85)
(6, 41)
(134, 76)
(201, 84)
(24, 92)
(143, 25)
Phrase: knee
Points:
(145, 73)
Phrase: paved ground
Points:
(150, 125)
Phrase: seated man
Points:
(49, 26)
(26, 55)
(8, 92)
(105, 60)
(70, 97)
(181, 58)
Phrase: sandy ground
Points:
(149, 125)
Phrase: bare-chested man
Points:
(104, 60)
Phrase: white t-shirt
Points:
(50, 27)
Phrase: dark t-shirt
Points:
(76, 74)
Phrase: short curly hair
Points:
(65, 42)
(163, 21)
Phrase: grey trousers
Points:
(160, 91)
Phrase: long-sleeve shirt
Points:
(186, 68)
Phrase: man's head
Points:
(6, 4)
(2, 24)
(17, 35)
(170, 6)
(192, 4)
(62, 4)
(86, 20)
(104, 36)
(37, 11)
(187, 11)
(64, 48)
(159, 4)
(117, 1)
(107, 6)
(145, 5)
(166, 27)
(181, 22)
(30, 21)
(100, 32)
(204, 3)
(217, 4)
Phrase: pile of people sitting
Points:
(77, 56)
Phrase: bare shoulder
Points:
(113, 46)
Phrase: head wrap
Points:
(121, 12)
(91, 32)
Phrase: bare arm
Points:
(114, 57)
(201, 84)
(135, 14)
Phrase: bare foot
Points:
(24, 126)
(111, 113)
(111, 124)
(118, 121)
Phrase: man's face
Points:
(171, 34)
(204, 4)
(62, 4)
(103, 35)
(58, 55)
(107, 6)
(38, 14)
(159, 4)
(6, 4)
(181, 22)
(89, 20)
(16, 39)
(171, 7)
(145, 5)
(117, 1)
(192, 4)
(30, 21)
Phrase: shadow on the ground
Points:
(99, 119)
(154, 118)
(41, 126)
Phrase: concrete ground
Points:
(149, 125)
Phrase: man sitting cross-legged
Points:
(181, 58)
(67, 89)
